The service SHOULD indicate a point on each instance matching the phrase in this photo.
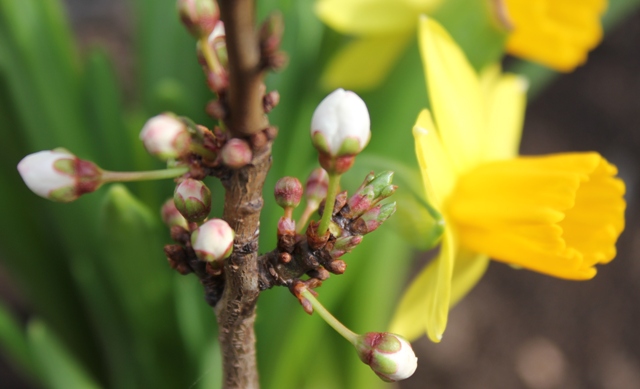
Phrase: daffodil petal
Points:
(557, 34)
(454, 92)
(425, 304)
(438, 174)
(506, 105)
(364, 62)
(366, 17)
(468, 270)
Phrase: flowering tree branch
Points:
(246, 73)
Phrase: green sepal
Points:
(65, 165)
(320, 142)
(349, 146)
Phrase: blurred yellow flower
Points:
(557, 214)
(555, 33)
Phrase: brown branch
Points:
(246, 88)
(236, 309)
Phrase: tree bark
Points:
(236, 309)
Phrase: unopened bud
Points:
(193, 200)
(340, 129)
(373, 218)
(372, 191)
(236, 153)
(171, 216)
(59, 175)
(288, 192)
(390, 356)
(270, 100)
(165, 136)
(199, 16)
(271, 33)
(218, 43)
(317, 185)
(213, 241)
(344, 245)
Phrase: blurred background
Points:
(89, 302)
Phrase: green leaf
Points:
(135, 266)
(103, 112)
(59, 369)
(14, 342)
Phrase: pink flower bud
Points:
(288, 192)
(213, 241)
(59, 175)
(171, 216)
(198, 16)
(340, 125)
(390, 356)
(165, 136)
(193, 199)
(236, 153)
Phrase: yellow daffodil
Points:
(557, 214)
(555, 33)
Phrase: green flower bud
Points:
(193, 199)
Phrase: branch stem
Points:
(328, 317)
(332, 191)
(246, 88)
(109, 176)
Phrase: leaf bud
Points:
(271, 33)
(372, 191)
(390, 356)
(344, 245)
(198, 16)
(288, 192)
(193, 199)
(340, 127)
(58, 175)
(213, 241)
(171, 216)
(165, 136)
(236, 153)
(373, 218)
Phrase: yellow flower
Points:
(558, 214)
(556, 33)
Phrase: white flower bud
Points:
(213, 241)
(59, 175)
(390, 356)
(165, 136)
(340, 125)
